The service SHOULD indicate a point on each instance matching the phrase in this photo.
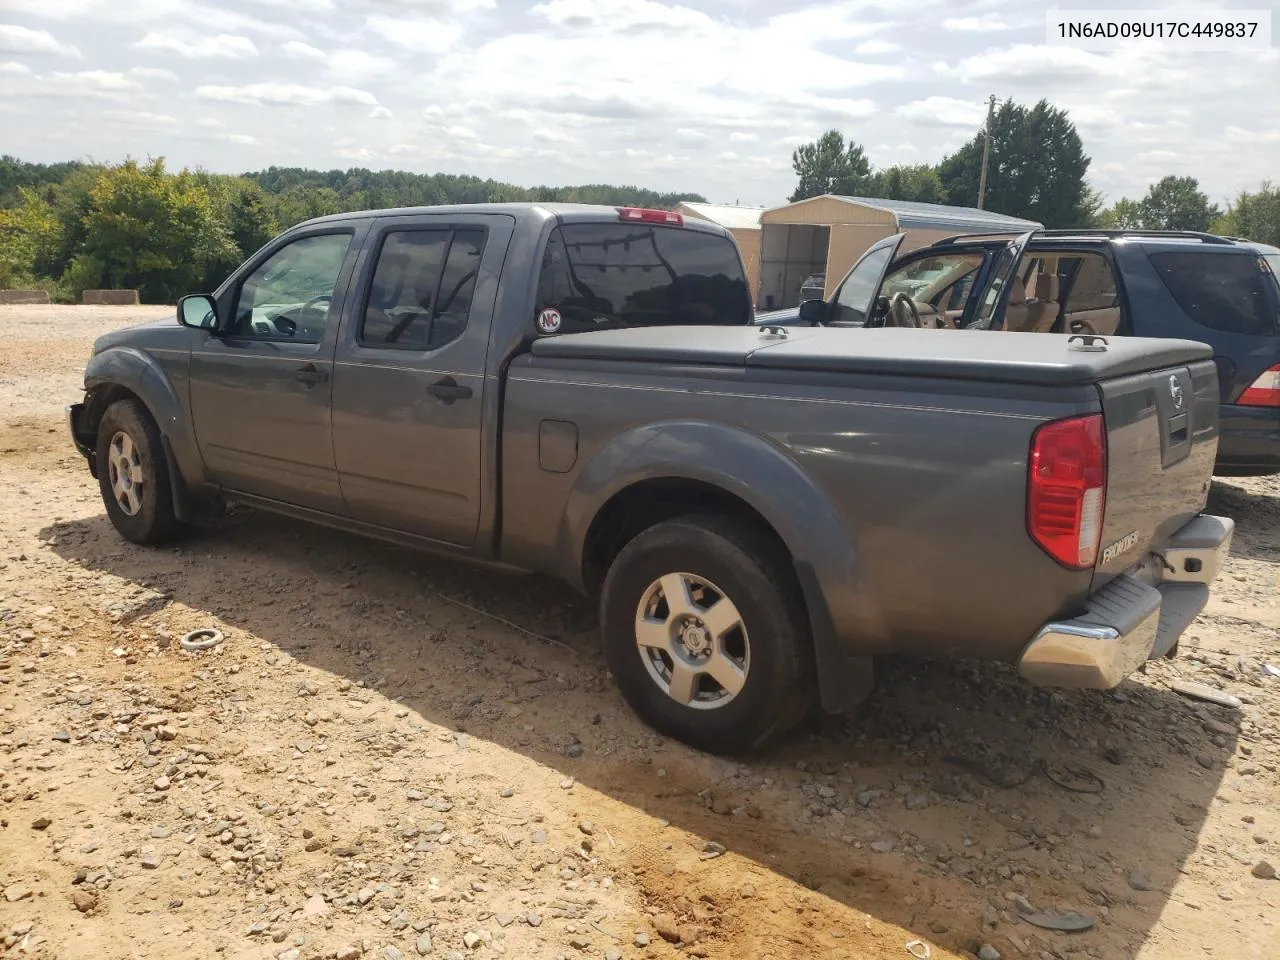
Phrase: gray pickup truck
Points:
(580, 391)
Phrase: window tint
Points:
(1089, 282)
(1223, 291)
(606, 275)
(422, 288)
(289, 295)
(853, 300)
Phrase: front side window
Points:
(422, 288)
(926, 280)
(599, 276)
(288, 296)
(853, 299)
(1223, 291)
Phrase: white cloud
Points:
(285, 94)
(153, 73)
(141, 118)
(426, 35)
(739, 137)
(380, 113)
(94, 79)
(984, 24)
(1241, 135)
(944, 111)
(358, 154)
(243, 139)
(1026, 61)
(223, 46)
(15, 39)
(360, 65)
(461, 133)
(875, 48)
(208, 123)
(297, 50)
(15, 69)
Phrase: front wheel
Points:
(134, 476)
(706, 635)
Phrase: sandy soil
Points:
(366, 768)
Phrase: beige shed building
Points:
(743, 223)
(827, 235)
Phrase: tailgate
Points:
(1162, 440)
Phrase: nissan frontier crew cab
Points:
(580, 391)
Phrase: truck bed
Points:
(1049, 359)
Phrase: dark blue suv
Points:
(1195, 286)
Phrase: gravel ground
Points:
(371, 766)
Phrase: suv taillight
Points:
(1067, 489)
(1263, 392)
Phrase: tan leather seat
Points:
(1015, 310)
(1042, 311)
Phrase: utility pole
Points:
(986, 151)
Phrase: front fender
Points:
(750, 467)
(140, 374)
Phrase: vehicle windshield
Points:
(607, 275)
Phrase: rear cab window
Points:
(1222, 291)
(601, 276)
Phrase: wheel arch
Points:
(124, 373)
(663, 470)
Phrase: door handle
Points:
(449, 390)
(310, 376)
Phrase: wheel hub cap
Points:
(125, 473)
(693, 641)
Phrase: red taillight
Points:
(640, 215)
(1067, 489)
(1263, 392)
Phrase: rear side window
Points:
(1222, 291)
(600, 276)
(422, 288)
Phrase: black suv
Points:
(1195, 286)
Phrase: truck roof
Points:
(565, 212)
(966, 355)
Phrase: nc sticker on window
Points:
(549, 320)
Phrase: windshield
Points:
(607, 275)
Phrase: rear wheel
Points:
(706, 635)
(134, 476)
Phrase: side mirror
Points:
(198, 311)
(813, 312)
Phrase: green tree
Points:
(919, 182)
(1124, 214)
(1253, 216)
(1037, 167)
(28, 233)
(829, 165)
(154, 231)
(1177, 203)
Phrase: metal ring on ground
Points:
(203, 639)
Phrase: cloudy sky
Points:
(702, 95)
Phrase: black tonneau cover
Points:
(957, 354)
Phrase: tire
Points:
(141, 506)
(720, 559)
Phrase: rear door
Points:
(998, 284)
(409, 381)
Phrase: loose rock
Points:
(1263, 870)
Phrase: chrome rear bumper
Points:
(1135, 617)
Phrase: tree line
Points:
(1037, 170)
(69, 227)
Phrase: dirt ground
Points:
(373, 764)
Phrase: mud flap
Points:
(844, 679)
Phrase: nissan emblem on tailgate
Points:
(1175, 391)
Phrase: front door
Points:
(409, 390)
(261, 384)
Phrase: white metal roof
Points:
(729, 216)
(933, 216)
